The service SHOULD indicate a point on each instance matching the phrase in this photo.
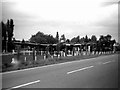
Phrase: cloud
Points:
(109, 3)
(105, 4)
(9, 11)
(109, 25)
(72, 18)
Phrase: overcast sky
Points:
(69, 17)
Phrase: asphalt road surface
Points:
(100, 72)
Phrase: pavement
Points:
(99, 72)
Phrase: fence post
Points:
(18, 52)
(13, 61)
(35, 58)
(52, 56)
(29, 52)
(58, 56)
(33, 55)
(13, 51)
(44, 57)
(25, 59)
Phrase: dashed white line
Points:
(22, 85)
(79, 69)
(107, 62)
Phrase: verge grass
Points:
(41, 62)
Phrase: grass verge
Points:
(49, 61)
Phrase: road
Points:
(100, 72)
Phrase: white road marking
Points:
(99, 63)
(22, 85)
(79, 69)
(107, 62)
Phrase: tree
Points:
(86, 39)
(106, 42)
(10, 27)
(14, 39)
(23, 42)
(41, 38)
(75, 39)
(38, 38)
(78, 39)
(82, 40)
(4, 36)
(101, 38)
(7, 35)
(57, 37)
(108, 37)
(93, 38)
(63, 38)
(68, 41)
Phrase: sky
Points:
(69, 17)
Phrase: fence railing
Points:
(34, 55)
